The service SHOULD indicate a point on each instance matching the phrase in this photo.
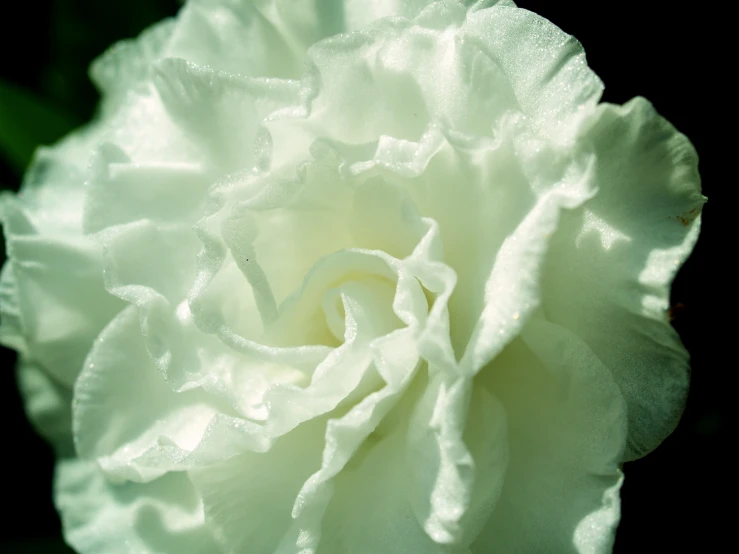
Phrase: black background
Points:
(671, 499)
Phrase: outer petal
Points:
(129, 419)
(48, 272)
(11, 326)
(52, 192)
(546, 67)
(220, 111)
(47, 259)
(566, 433)
(243, 37)
(165, 515)
(48, 405)
(622, 250)
(50, 262)
(270, 37)
(128, 63)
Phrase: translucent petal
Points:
(409, 76)
(457, 454)
(128, 63)
(234, 36)
(120, 191)
(51, 194)
(48, 405)
(165, 515)
(546, 67)
(622, 250)
(58, 323)
(11, 327)
(566, 434)
(141, 128)
(359, 15)
(118, 396)
(248, 499)
(370, 510)
(221, 112)
(149, 255)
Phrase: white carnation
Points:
(350, 277)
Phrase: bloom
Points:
(364, 279)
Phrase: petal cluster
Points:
(329, 277)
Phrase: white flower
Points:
(350, 277)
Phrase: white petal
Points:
(165, 515)
(457, 452)
(11, 326)
(48, 405)
(546, 67)
(236, 37)
(370, 510)
(145, 255)
(249, 499)
(622, 251)
(52, 193)
(58, 323)
(120, 393)
(566, 434)
(348, 437)
(360, 14)
(221, 112)
(120, 191)
(128, 63)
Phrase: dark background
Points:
(670, 499)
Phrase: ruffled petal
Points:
(11, 326)
(48, 405)
(117, 396)
(248, 499)
(220, 111)
(120, 191)
(623, 249)
(378, 481)
(165, 515)
(349, 437)
(545, 66)
(246, 38)
(457, 453)
(566, 434)
(58, 323)
(128, 63)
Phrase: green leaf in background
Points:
(26, 121)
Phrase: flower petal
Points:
(220, 111)
(622, 250)
(128, 63)
(48, 406)
(349, 436)
(457, 453)
(566, 434)
(248, 499)
(236, 37)
(59, 324)
(545, 66)
(120, 191)
(165, 515)
(377, 479)
(120, 393)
